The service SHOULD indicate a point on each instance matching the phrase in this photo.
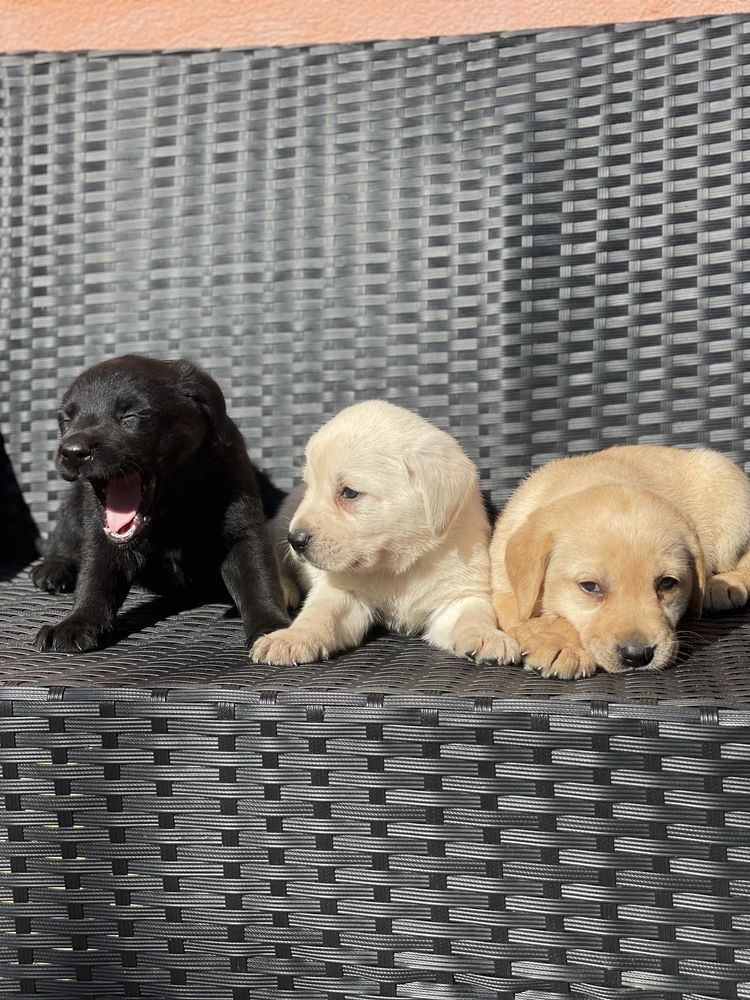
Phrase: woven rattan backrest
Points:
(536, 240)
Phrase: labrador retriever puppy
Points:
(390, 528)
(596, 558)
(164, 495)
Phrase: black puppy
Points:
(164, 495)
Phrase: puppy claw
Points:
(287, 648)
(55, 574)
(566, 663)
(70, 636)
(562, 671)
(552, 648)
(494, 646)
(724, 592)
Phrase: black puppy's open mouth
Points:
(125, 500)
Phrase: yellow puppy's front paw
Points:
(725, 591)
(552, 647)
(483, 646)
(287, 647)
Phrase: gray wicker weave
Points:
(538, 241)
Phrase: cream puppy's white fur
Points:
(398, 535)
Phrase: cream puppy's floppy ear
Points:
(526, 558)
(445, 478)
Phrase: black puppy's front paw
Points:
(55, 575)
(70, 636)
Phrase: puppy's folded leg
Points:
(468, 627)
(331, 620)
(725, 591)
(249, 570)
(290, 592)
(549, 644)
(104, 580)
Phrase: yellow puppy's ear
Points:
(698, 567)
(526, 558)
(445, 479)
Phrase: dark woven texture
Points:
(159, 645)
(539, 241)
(260, 846)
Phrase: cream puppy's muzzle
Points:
(351, 521)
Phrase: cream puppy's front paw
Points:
(288, 647)
(552, 647)
(725, 591)
(485, 645)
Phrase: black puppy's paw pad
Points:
(56, 576)
(68, 637)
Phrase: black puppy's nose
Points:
(299, 540)
(76, 449)
(635, 655)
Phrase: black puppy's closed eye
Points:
(131, 419)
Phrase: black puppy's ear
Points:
(205, 393)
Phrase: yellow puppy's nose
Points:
(635, 655)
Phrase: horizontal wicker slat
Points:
(338, 844)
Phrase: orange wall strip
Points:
(64, 25)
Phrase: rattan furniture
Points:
(540, 242)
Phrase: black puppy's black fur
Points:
(201, 528)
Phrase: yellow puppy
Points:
(596, 558)
(391, 529)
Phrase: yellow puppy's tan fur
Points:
(410, 552)
(659, 528)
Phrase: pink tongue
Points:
(122, 500)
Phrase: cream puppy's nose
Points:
(299, 540)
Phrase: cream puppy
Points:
(596, 558)
(391, 529)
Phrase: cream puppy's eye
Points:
(591, 587)
(666, 584)
(348, 493)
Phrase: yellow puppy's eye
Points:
(666, 584)
(591, 587)
(348, 493)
